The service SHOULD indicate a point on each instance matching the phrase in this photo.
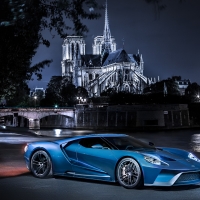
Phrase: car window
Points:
(128, 142)
(94, 142)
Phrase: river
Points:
(188, 139)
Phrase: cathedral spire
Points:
(106, 34)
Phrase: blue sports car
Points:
(114, 158)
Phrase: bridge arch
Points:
(34, 115)
(15, 119)
(61, 121)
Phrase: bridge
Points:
(34, 115)
(113, 117)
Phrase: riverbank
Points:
(37, 132)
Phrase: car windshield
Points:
(128, 143)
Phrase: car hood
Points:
(162, 154)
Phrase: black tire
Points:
(40, 164)
(129, 174)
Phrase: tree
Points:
(159, 6)
(52, 96)
(108, 92)
(61, 92)
(21, 98)
(68, 93)
(21, 26)
(168, 86)
(192, 93)
(165, 91)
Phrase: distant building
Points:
(106, 68)
(37, 92)
(182, 83)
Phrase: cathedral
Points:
(108, 67)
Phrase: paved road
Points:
(17, 183)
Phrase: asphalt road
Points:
(16, 182)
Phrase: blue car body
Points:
(74, 157)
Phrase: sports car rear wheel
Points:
(129, 173)
(40, 164)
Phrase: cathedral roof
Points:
(91, 60)
(117, 56)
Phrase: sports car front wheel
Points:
(40, 164)
(129, 174)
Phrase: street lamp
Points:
(196, 97)
(84, 100)
(81, 100)
(35, 98)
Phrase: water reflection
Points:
(61, 132)
(195, 142)
(57, 132)
(17, 140)
(183, 139)
(17, 137)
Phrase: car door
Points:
(95, 158)
(70, 150)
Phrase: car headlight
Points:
(193, 157)
(155, 160)
(26, 148)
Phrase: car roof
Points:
(89, 136)
(107, 135)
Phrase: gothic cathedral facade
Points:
(106, 68)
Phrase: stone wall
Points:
(133, 116)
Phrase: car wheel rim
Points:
(40, 163)
(129, 172)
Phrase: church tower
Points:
(73, 47)
(105, 43)
(70, 44)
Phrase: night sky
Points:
(169, 42)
